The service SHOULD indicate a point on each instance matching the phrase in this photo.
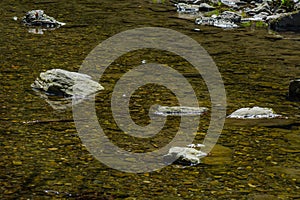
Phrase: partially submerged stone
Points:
(206, 7)
(225, 24)
(187, 8)
(180, 110)
(226, 19)
(230, 16)
(210, 21)
(184, 155)
(64, 83)
(58, 103)
(276, 14)
(285, 21)
(39, 18)
(254, 113)
(294, 90)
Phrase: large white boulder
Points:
(64, 83)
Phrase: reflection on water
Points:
(39, 30)
(39, 160)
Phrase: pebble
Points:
(17, 162)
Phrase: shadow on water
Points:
(48, 160)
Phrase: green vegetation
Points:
(261, 24)
(158, 1)
(243, 14)
(246, 24)
(257, 24)
(288, 5)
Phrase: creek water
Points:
(256, 159)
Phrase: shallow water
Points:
(48, 160)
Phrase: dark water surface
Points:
(253, 159)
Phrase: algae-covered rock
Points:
(219, 155)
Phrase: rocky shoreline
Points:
(281, 15)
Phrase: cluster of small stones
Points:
(239, 12)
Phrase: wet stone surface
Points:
(37, 22)
(258, 159)
(39, 18)
(184, 155)
(180, 110)
(64, 83)
(280, 16)
(294, 90)
(254, 113)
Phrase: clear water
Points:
(47, 159)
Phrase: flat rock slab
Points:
(64, 83)
(261, 197)
(290, 172)
(254, 113)
(180, 110)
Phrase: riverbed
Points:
(42, 156)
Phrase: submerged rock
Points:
(64, 83)
(180, 110)
(253, 113)
(294, 90)
(38, 18)
(184, 155)
(219, 155)
(58, 103)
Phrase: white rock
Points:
(180, 110)
(195, 145)
(253, 113)
(185, 155)
(65, 83)
(187, 8)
